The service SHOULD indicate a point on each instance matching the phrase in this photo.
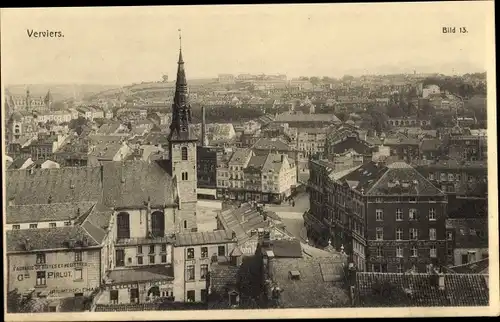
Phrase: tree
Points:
(343, 116)
(164, 78)
(314, 81)
(100, 121)
(78, 124)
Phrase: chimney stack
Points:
(204, 141)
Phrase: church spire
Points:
(181, 110)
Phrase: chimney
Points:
(233, 235)
(204, 141)
(50, 199)
(282, 158)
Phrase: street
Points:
(293, 216)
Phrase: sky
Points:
(132, 44)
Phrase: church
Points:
(143, 208)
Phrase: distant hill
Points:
(60, 91)
(144, 88)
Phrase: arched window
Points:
(123, 225)
(158, 224)
(184, 153)
(184, 176)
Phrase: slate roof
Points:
(394, 179)
(115, 184)
(202, 238)
(430, 145)
(106, 151)
(46, 238)
(223, 276)
(327, 252)
(61, 184)
(271, 144)
(273, 163)
(286, 248)
(18, 162)
(257, 162)
(16, 214)
(141, 274)
(469, 232)
(410, 290)
(477, 267)
(242, 221)
(319, 284)
(131, 183)
(240, 156)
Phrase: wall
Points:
(131, 252)
(60, 272)
(187, 188)
(181, 286)
(458, 252)
(44, 224)
(139, 221)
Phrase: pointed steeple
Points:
(181, 110)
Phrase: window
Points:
(184, 176)
(221, 250)
(123, 224)
(457, 177)
(465, 259)
(414, 252)
(139, 249)
(139, 260)
(151, 249)
(379, 251)
(52, 225)
(451, 177)
(432, 214)
(379, 214)
(443, 176)
(378, 200)
(120, 257)
(41, 278)
(134, 295)
(16, 226)
(431, 176)
(399, 234)
(204, 252)
(450, 251)
(433, 251)
(203, 271)
(399, 214)
(432, 233)
(400, 268)
(163, 248)
(399, 251)
(191, 296)
(185, 224)
(449, 235)
(67, 223)
(40, 258)
(203, 294)
(412, 214)
(413, 199)
(184, 153)
(413, 233)
(151, 259)
(190, 273)
(113, 296)
(472, 256)
(78, 256)
(78, 274)
(190, 253)
(163, 258)
(33, 226)
(379, 233)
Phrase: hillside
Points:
(59, 91)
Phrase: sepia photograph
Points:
(248, 160)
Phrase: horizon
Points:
(239, 39)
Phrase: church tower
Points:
(182, 148)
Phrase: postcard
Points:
(251, 161)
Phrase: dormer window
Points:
(294, 275)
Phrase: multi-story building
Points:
(388, 217)
(467, 240)
(55, 250)
(311, 142)
(193, 254)
(463, 143)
